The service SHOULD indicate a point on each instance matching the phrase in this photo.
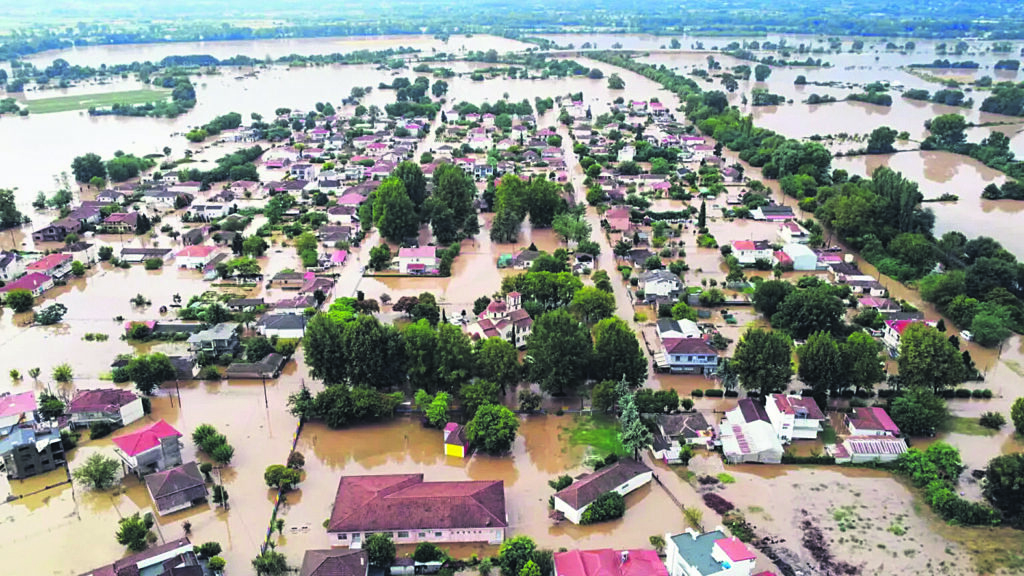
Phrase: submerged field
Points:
(86, 101)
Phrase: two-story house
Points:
(708, 554)
(12, 265)
(893, 329)
(793, 233)
(219, 339)
(750, 251)
(660, 286)
(56, 266)
(503, 319)
(687, 356)
(421, 260)
(109, 405)
(150, 449)
(121, 223)
(794, 417)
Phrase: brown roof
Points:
(687, 425)
(176, 486)
(582, 492)
(406, 502)
(334, 562)
(688, 346)
(129, 566)
(108, 400)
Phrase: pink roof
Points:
(351, 198)
(27, 282)
(608, 562)
(450, 426)
(900, 325)
(743, 245)
(421, 252)
(797, 404)
(197, 251)
(734, 549)
(661, 185)
(49, 262)
(339, 256)
(782, 257)
(873, 302)
(146, 438)
(16, 404)
(873, 418)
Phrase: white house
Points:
(803, 258)
(302, 171)
(708, 554)
(860, 449)
(750, 251)
(507, 320)
(669, 328)
(626, 154)
(687, 356)
(195, 257)
(660, 285)
(12, 265)
(794, 417)
(623, 477)
(894, 328)
(793, 233)
(748, 435)
(871, 421)
(282, 325)
(422, 260)
(207, 212)
(111, 405)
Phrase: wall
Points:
(489, 535)
(131, 412)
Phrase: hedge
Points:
(714, 393)
(732, 394)
(791, 459)
(698, 393)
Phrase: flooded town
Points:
(549, 300)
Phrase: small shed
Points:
(455, 442)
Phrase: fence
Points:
(280, 492)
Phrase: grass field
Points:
(968, 426)
(86, 101)
(601, 434)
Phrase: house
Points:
(608, 562)
(871, 421)
(175, 558)
(150, 449)
(660, 286)
(111, 197)
(245, 304)
(195, 257)
(618, 219)
(883, 305)
(295, 305)
(56, 231)
(455, 442)
(302, 171)
(421, 260)
(748, 435)
(794, 417)
(892, 330)
(208, 212)
(669, 328)
(802, 257)
(288, 280)
(335, 562)
(35, 282)
(191, 187)
(12, 265)
(686, 356)
(750, 251)
(110, 405)
(121, 223)
(503, 319)
(708, 554)
(219, 339)
(269, 367)
(27, 447)
(677, 430)
(793, 233)
(82, 252)
(330, 235)
(138, 255)
(860, 449)
(416, 511)
(773, 213)
(868, 286)
(176, 489)
(282, 325)
(523, 259)
(55, 266)
(623, 477)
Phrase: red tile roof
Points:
(608, 562)
(406, 502)
(107, 400)
(687, 346)
(873, 418)
(49, 262)
(797, 405)
(335, 562)
(15, 404)
(145, 438)
(197, 251)
(582, 492)
(28, 282)
(734, 549)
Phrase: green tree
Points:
(63, 373)
(918, 412)
(99, 472)
(148, 371)
(1004, 485)
(477, 393)
(50, 406)
(216, 563)
(617, 353)
(763, 361)
(380, 257)
(604, 397)
(88, 166)
(881, 140)
(282, 477)
(497, 361)
(421, 351)
(682, 311)
(514, 553)
(559, 350)
(762, 72)
(1017, 415)
(493, 429)
(254, 246)
(530, 569)
(821, 365)
(270, 562)
(454, 357)
(615, 82)
(133, 532)
(437, 411)
(592, 305)
(806, 311)
(702, 216)
(928, 360)
(415, 183)
(769, 296)
(19, 300)
(635, 435)
(10, 216)
(51, 315)
(863, 365)
(394, 212)
(948, 131)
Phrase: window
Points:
(422, 534)
(342, 536)
(437, 534)
(403, 534)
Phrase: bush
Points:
(732, 394)
(717, 503)
(100, 429)
(993, 420)
(822, 460)
(697, 393)
(608, 506)
(963, 393)
(714, 393)
(686, 404)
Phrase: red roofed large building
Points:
(503, 319)
(109, 405)
(893, 329)
(195, 256)
(54, 265)
(412, 510)
(871, 421)
(16, 409)
(794, 417)
(687, 356)
(150, 449)
(608, 562)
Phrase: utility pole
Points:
(266, 402)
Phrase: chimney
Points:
(625, 556)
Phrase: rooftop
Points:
(798, 406)
(335, 562)
(608, 562)
(873, 418)
(48, 262)
(584, 491)
(17, 404)
(102, 400)
(696, 549)
(145, 438)
(752, 411)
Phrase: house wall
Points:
(625, 488)
(454, 450)
(131, 412)
(571, 514)
(415, 535)
(26, 460)
(854, 431)
(294, 333)
(678, 566)
(404, 263)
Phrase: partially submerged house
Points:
(748, 435)
(608, 562)
(708, 554)
(871, 421)
(417, 511)
(150, 449)
(503, 319)
(623, 477)
(269, 367)
(455, 441)
(176, 489)
(861, 449)
(794, 417)
(418, 261)
(175, 558)
(335, 562)
(686, 356)
(108, 405)
(218, 339)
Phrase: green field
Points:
(599, 433)
(102, 100)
